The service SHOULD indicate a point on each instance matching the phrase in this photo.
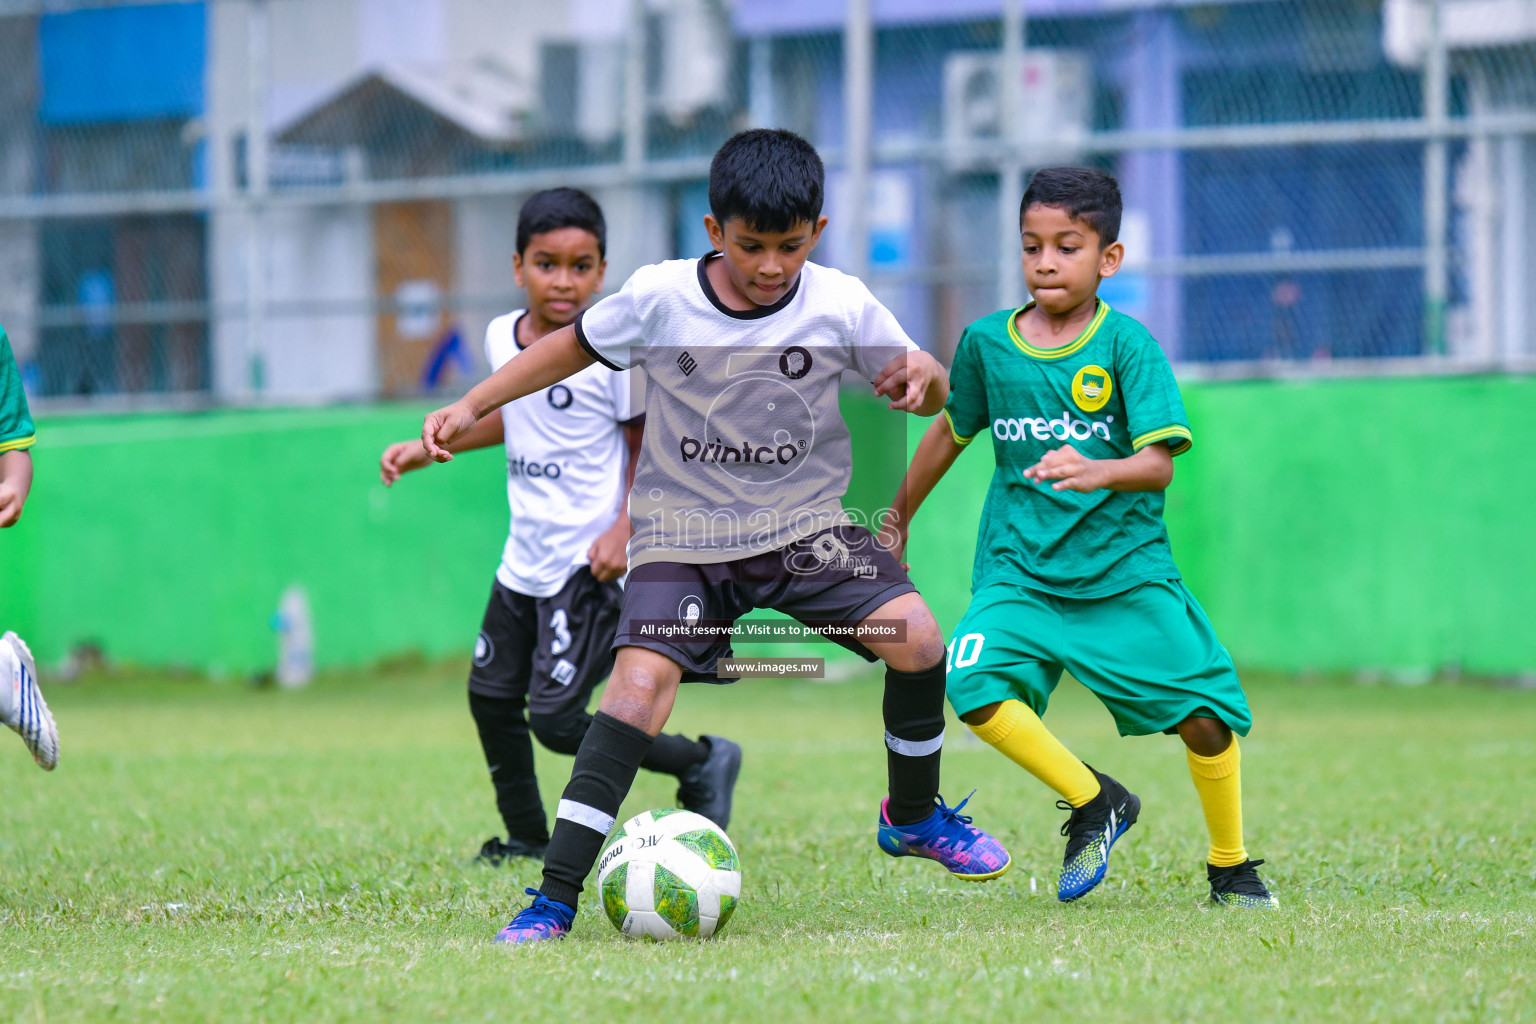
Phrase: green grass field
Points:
(211, 852)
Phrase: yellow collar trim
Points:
(1063, 351)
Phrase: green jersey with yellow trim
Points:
(16, 429)
(1109, 393)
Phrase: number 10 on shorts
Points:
(964, 652)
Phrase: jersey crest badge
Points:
(1091, 388)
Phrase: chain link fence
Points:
(315, 200)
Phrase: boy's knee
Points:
(498, 712)
(982, 715)
(561, 732)
(1207, 737)
(924, 645)
(642, 682)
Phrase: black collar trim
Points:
(515, 325)
(756, 313)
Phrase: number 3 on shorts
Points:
(964, 652)
(560, 626)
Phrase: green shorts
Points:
(1148, 653)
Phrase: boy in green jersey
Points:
(1073, 568)
(21, 702)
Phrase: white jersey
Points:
(745, 447)
(565, 466)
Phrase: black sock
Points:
(914, 737)
(670, 755)
(674, 754)
(509, 756)
(605, 768)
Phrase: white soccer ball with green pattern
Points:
(667, 874)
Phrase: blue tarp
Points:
(122, 63)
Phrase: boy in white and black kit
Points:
(737, 499)
(547, 637)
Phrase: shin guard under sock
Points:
(914, 736)
(509, 756)
(674, 754)
(1219, 781)
(669, 754)
(1017, 732)
(605, 768)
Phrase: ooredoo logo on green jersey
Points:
(1065, 427)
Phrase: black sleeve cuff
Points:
(581, 339)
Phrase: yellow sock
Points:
(1218, 780)
(1018, 732)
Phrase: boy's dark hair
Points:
(1086, 193)
(770, 178)
(557, 208)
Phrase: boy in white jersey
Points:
(736, 501)
(547, 637)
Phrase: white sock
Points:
(10, 671)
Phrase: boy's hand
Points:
(907, 379)
(400, 458)
(607, 555)
(1071, 470)
(443, 427)
(11, 501)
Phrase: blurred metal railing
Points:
(1312, 186)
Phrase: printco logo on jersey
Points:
(519, 466)
(781, 453)
(759, 427)
(1064, 428)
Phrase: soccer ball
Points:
(669, 873)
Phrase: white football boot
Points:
(21, 702)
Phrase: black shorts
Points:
(552, 650)
(837, 577)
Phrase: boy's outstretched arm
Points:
(608, 555)
(403, 456)
(1150, 469)
(15, 485)
(547, 361)
(915, 383)
(936, 452)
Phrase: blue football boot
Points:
(1091, 833)
(948, 837)
(542, 921)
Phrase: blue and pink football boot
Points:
(948, 837)
(543, 920)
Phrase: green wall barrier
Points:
(168, 539)
(1368, 524)
(1342, 524)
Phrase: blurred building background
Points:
(239, 201)
(229, 228)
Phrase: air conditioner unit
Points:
(1055, 106)
(1464, 25)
